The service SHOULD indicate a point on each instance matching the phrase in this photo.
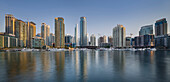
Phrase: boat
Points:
(26, 49)
(153, 49)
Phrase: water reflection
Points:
(60, 63)
(16, 64)
(85, 66)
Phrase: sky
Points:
(102, 15)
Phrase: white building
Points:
(119, 36)
(45, 32)
(76, 35)
(92, 40)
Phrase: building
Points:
(101, 40)
(45, 33)
(1, 41)
(59, 32)
(87, 39)
(6, 41)
(52, 39)
(146, 30)
(13, 41)
(31, 33)
(149, 41)
(25, 32)
(21, 32)
(9, 24)
(132, 42)
(139, 42)
(38, 42)
(110, 40)
(68, 40)
(104, 38)
(10, 41)
(162, 42)
(161, 27)
(83, 31)
(128, 42)
(144, 41)
(48, 35)
(119, 36)
(105, 45)
(76, 35)
(92, 40)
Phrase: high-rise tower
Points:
(59, 32)
(76, 35)
(83, 31)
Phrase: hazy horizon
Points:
(102, 16)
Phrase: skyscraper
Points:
(161, 27)
(32, 32)
(47, 35)
(21, 32)
(119, 36)
(9, 24)
(43, 31)
(83, 31)
(76, 35)
(146, 30)
(92, 40)
(59, 32)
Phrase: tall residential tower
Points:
(76, 35)
(119, 36)
(83, 31)
(32, 32)
(45, 33)
(9, 24)
(161, 27)
(59, 32)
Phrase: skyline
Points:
(132, 16)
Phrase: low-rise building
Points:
(128, 42)
(13, 42)
(110, 40)
(37, 42)
(1, 41)
(162, 42)
(10, 41)
(105, 45)
(144, 41)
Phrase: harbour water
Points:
(86, 66)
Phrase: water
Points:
(90, 65)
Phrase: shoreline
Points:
(72, 49)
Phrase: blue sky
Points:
(102, 15)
